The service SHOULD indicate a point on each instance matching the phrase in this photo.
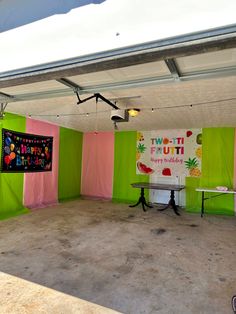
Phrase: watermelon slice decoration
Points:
(143, 168)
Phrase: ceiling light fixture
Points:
(133, 112)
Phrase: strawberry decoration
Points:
(166, 172)
(189, 133)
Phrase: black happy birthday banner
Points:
(22, 152)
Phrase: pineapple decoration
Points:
(198, 152)
(192, 166)
(140, 150)
(140, 137)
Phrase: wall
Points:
(70, 161)
(41, 188)
(125, 168)
(19, 191)
(217, 169)
(98, 164)
(108, 164)
(11, 184)
(219, 156)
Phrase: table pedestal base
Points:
(141, 200)
(171, 203)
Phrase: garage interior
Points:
(107, 253)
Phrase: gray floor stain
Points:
(158, 231)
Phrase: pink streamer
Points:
(98, 164)
(41, 188)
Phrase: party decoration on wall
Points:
(193, 167)
(23, 152)
(169, 152)
(144, 169)
(140, 150)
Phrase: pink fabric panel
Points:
(41, 188)
(98, 164)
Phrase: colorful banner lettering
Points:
(23, 152)
(169, 152)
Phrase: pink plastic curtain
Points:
(41, 188)
(98, 164)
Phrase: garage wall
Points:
(70, 161)
(33, 190)
(98, 164)
(109, 168)
(218, 167)
(219, 157)
(41, 188)
(11, 184)
(125, 168)
(218, 160)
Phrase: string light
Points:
(96, 113)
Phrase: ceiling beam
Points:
(170, 48)
(69, 83)
(214, 73)
(172, 66)
(5, 97)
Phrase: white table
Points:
(212, 190)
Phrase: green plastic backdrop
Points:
(11, 184)
(217, 169)
(193, 198)
(125, 168)
(70, 157)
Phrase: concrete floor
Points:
(125, 259)
(19, 296)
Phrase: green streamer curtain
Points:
(217, 170)
(11, 184)
(125, 168)
(70, 158)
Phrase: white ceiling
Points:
(168, 95)
(204, 95)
